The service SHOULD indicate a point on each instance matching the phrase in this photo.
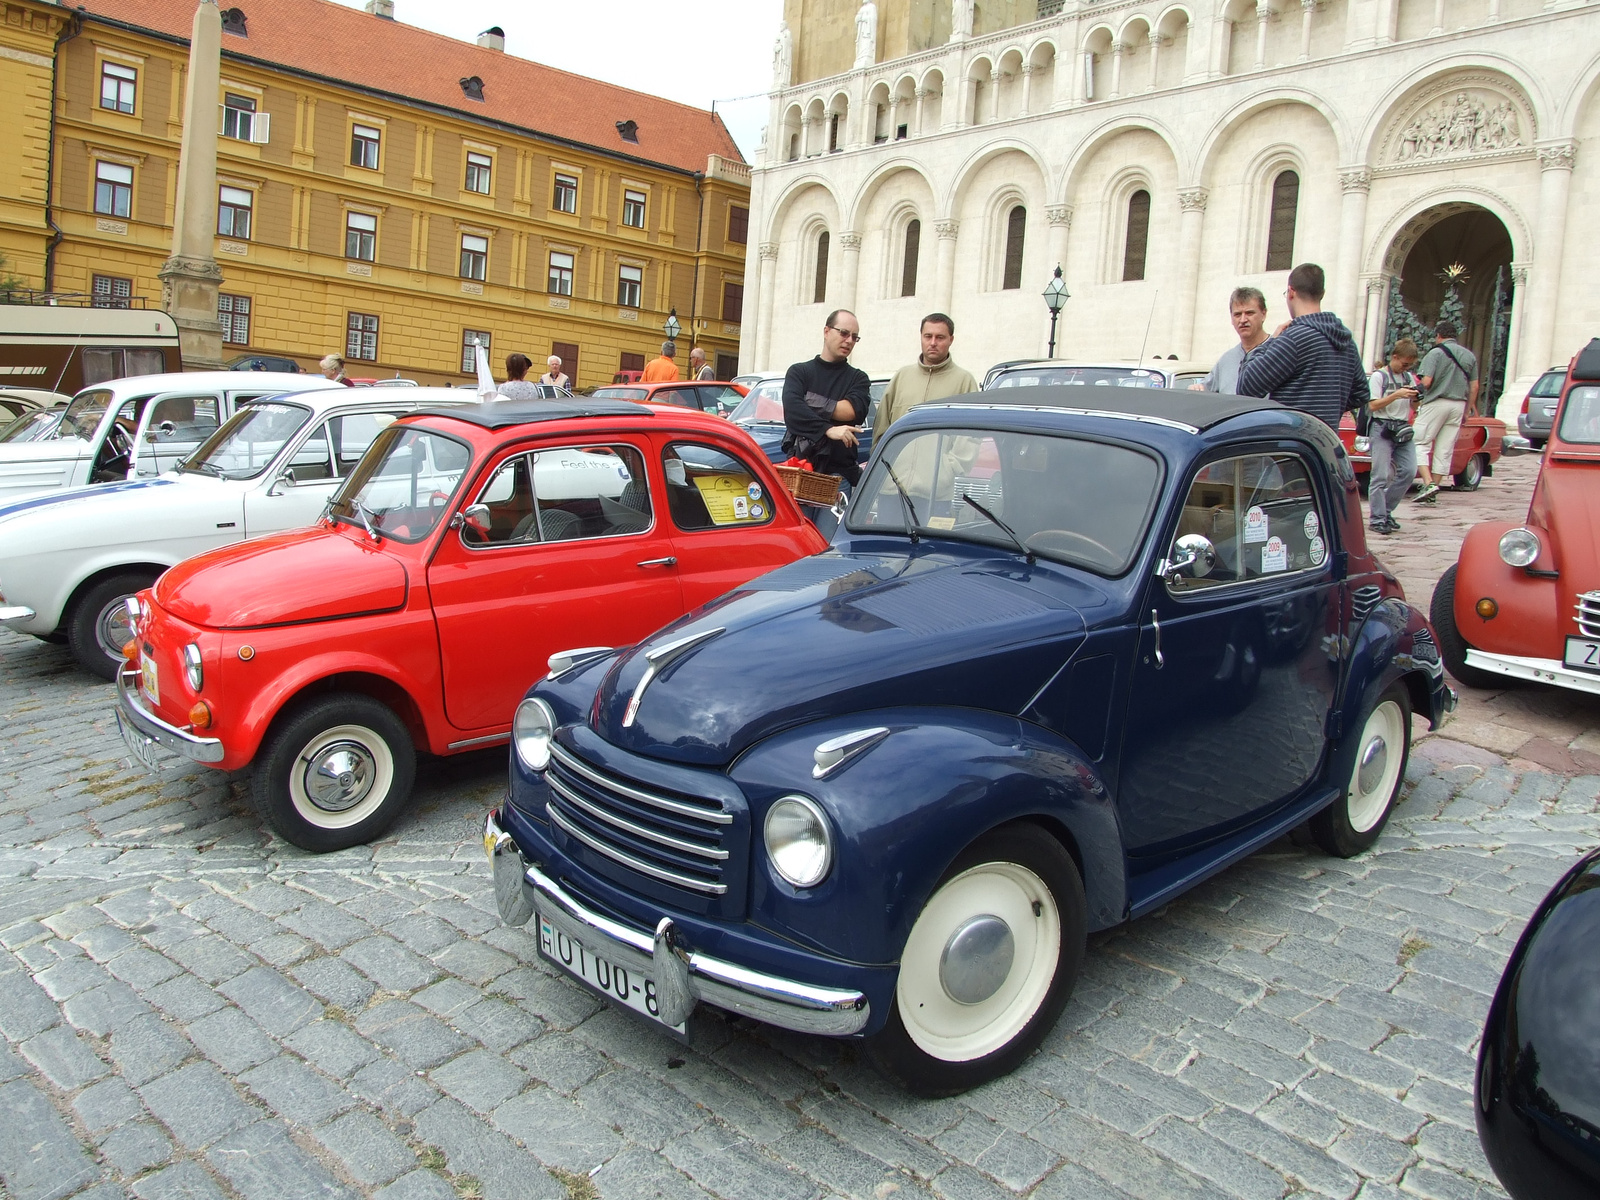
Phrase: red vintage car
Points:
(465, 549)
(1521, 601)
(1478, 448)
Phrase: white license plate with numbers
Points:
(1583, 653)
(625, 986)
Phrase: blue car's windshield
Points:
(1067, 499)
(1135, 377)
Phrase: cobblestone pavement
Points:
(192, 1009)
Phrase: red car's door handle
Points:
(668, 561)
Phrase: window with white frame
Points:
(1281, 221)
(360, 236)
(480, 168)
(474, 256)
(633, 208)
(471, 339)
(111, 291)
(118, 87)
(238, 117)
(234, 206)
(364, 143)
(630, 286)
(565, 198)
(113, 189)
(234, 314)
(561, 266)
(361, 337)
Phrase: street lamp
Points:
(672, 327)
(1055, 299)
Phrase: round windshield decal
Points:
(1312, 525)
(757, 512)
(754, 490)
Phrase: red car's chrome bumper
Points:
(1538, 670)
(142, 729)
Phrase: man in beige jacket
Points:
(934, 376)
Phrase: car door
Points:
(724, 526)
(319, 459)
(1237, 668)
(568, 550)
(172, 427)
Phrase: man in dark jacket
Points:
(1312, 364)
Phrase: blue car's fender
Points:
(1393, 645)
(903, 810)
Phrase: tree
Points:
(1453, 310)
(8, 281)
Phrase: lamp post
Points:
(672, 328)
(1055, 299)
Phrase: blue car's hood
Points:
(840, 633)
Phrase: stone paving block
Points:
(1227, 1084)
(325, 924)
(197, 1104)
(480, 1080)
(1362, 1105)
(1362, 1066)
(557, 1131)
(331, 1047)
(1069, 1181)
(103, 1009)
(637, 1174)
(1455, 1149)
(295, 1092)
(447, 998)
(181, 1181)
(389, 964)
(271, 898)
(145, 1048)
(474, 922)
(646, 1110)
(500, 1026)
(472, 1148)
(393, 1087)
(334, 982)
(566, 1064)
(1229, 1168)
(409, 1032)
(275, 1003)
(729, 1166)
(24, 1009)
(419, 1185)
(1248, 1055)
(69, 977)
(474, 962)
(1440, 1100)
(422, 933)
(231, 1040)
(141, 968)
(263, 1163)
(1015, 1103)
(63, 1058)
(106, 1104)
(1142, 1172)
(843, 1168)
(1288, 1156)
(212, 958)
(135, 1147)
(366, 1148)
(184, 998)
(1294, 1115)
(103, 942)
(552, 999)
(40, 1159)
(867, 1132)
(1373, 1155)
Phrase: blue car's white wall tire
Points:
(988, 966)
(1375, 772)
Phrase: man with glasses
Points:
(823, 398)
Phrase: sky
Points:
(693, 51)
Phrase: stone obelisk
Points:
(191, 278)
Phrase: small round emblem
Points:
(246, 653)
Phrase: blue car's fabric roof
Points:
(1199, 410)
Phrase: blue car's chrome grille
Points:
(673, 838)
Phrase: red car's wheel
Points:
(1470, 476)
(1452, 646)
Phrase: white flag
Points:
(488, 389)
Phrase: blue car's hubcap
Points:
(977, 959)
(1374, 763)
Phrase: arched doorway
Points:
(1455, 260)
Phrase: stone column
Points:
(1356, 183)
(1027, 88)
(1519, 285)
(1263, 15)
(1059, 218)
(806, 122)
(191, 278)
(1438, 18)
(945, 267)
(1308, 9)
(922, 105)
(1549, 240)
(849, 269)
(995, 76)
(764, 302)
(1372, 291)
(1155, 60)
(1192, 202)
(1117, 49)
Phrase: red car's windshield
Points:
(1580, 416)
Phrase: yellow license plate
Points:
(150, 678)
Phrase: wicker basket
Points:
(810, 487)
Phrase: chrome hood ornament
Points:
(660, 659)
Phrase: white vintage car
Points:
(69, 560)
(135, 428)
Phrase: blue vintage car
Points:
(1058, 666)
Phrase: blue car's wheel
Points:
(988, 966)
(1377, 770)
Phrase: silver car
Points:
(1539, 407)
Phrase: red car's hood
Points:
(289, 578)
(1566, 509)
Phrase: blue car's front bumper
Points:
(528, 870)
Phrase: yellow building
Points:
(383, 192)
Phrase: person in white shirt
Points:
(1394, 448)
(1247, 309)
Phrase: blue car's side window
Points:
(1259, 514)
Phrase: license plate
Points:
(1583, 653)
(150, 677)
(631, 988)
(138, 745)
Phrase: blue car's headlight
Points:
(798, 840)
(531, 731)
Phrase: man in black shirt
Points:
(823, 399)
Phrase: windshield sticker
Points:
(941, 522)
(1274, 556)
(757, 512)
(1312, 525)
(754, 491)
(1319, 552)
(1255, 525)
(726, 499)
(741, 507)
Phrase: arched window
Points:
(1138, 238)
(908, 269)
(1016, 226)
(1280, 227)
(819, 291)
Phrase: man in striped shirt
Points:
(1312, 364)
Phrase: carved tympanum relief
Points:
(1465, 120)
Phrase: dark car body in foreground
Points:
(1538, 1084)
(887, 790)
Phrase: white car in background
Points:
(135, 428)
(69, 560)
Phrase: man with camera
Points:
(1394, 448)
